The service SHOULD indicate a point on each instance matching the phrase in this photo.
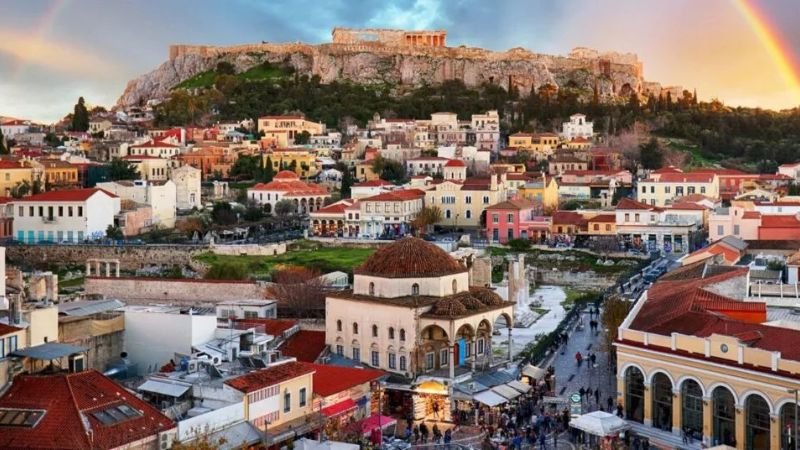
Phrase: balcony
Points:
(49, 219)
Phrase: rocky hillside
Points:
(374, 63)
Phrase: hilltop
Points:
(403, 58)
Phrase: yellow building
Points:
(13, 173)
(291, 125)
(691, 355)
(59, 174)
(579, 143)
(150, 168)
(540, 145)
(364, 171)
(602, 225)
(463, 201)
(301, 161)
(543, 191)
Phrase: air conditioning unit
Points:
(193, 366)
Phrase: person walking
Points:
(610, 403)
(542, 440)
(597, 397)
(423, 431)
(593, 359)
(578, 358)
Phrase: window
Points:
(480, 346)
(468, 214)
(287, 401)
(443, 353)
(627, 217)
(485, 199)
(690, 190)
(21, 211)
(608, 227)
(2, 348)
(27, 418)
(374, 331)
(720, 230)
(338, 325)
(468, 199)
(391, 332)
(356, 354)
(652, 189)
(371, 288)
(644, 189)
(636, 217)
(302, 397)
(60, 211)
(250, 314)
(736, 230)
(30, 211)
(455, 286)
(702, 189)
(392, 361)
(402, 363)
(446, 213)
(402, 334)
(510, 218)
(667, 189)
(355, 328)
(340, 350)
(375, 358)
(429, 361)
(495, 218)
(415, 289)
(80, 211)
(596, 227)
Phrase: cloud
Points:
(419, 14)
(53, 55)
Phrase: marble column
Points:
(117, 265)
(451, 364)
(88, 268)
(108, 269)
(509, 343)
(474, 354)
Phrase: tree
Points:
(80, 116)
(347, 183)
(269, 171)
(615, 309)
(520, 245)
(3, 148)
(651, 155)
(427, 216)
(253, 213)
(227, 270)
(284, 208)
(21, 189)
(300, 292)
(115, 233)
(226, 68)
(222, 213)
(120, 169)
(191, 225)
(388, 169)
(604, 245)
(302, 138)
(52, 140)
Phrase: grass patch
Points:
(697, 158)
(578, 297)
(540, 311)
(324, 259)
(262, 72)
(201, 80)
(73, 282)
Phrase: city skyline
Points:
(744, 52)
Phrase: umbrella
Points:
(534, 372)
(599, 423)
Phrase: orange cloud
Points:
(54, 55)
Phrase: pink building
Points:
(515, 219)
(587, 176)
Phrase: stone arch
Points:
(433, 332)
(628, 365)
(339, 340)
(635, 394)
(758, 417)
(723, 414)
(661, 394)
(655, 372)
(509, 322)
(710, 391)
(485, 325)
(750, 393)
(626, 90)
(470, 331)
(685, 378)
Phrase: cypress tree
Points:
(3, 149)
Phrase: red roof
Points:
(283, 117)
(273, 327)
(591, 172)
(5, 164)
(626, 203)
(396, 196)
(70, 402)
(330, 380)
(686, 177)
(290, 187)
(286, 175)
(455, 163)
(8, 329)
(373, 183)
(155, 144)
(751, 215)
(668, 169)
(70, 195)
(259, 379)
(305, 345)
(567, 218)
(513, 204)
(775, 221)
(343, 406)
(688, 206)
(336, 208)
(604, 218)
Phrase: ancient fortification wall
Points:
(130, 257)
(408, 58)
(137, 290)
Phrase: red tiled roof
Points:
(686, 177)
(604, 218)
(290, 187)
(336, 208)
(283, 117)
(513, 204)
(591, 172)
(330, 380)
(8, 329)
(286, 175)
(410, 258)
(688, 206)
(751, 215)
(668, 169)
(428, 158)
(69, 401)
(273, 327)
(455, 163)
(5, 164)
(305, 345)
(396, 196)
(775, 221)
(567, 218)
(626, 203)
(70, 195)
(693, 198)
(154, 144)
(373, 183)
(259, 379)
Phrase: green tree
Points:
(80, 116)
(284, 208)
(651, 155)
(52, 140)
(226, 68)
(519, 245)
(3, 148)
(426, 217)
(222, 213)
(227, 270)
(347, 182)
(389, 169)
(269, 171)
(21, 189)
(253, 213)
(302, 138)
(115, 233)
(120, 169)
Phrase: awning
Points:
(534, 372)
(339, 408)
(374, 421)
(489, 398)
(48, 351)
(599, 423)
(522, 387)
(164, 388)
(506, 391)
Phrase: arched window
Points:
(371, 288)
(355, 328)
(338, 325)
(724, 416)
(757, 431)
(634, 395)
(402, 334)
(455, 286)
(374, 331)
(391, 333)
(787, 423)
(662, 402)
(415, 289)
(402, 362)
(692, 415)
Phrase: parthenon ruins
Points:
(418, 38)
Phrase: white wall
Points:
(187, 181)
(399, 287)
(211, 421)
(162, 198)
(98, 213)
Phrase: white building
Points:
(425, 165)
(390, 213)
(158, 148)
(188, 181)
(11, 128)
(790, 170)
(487, 130)
(247, 309)
(577, 127)
(160, 196)
(286, 185)
(69, 215)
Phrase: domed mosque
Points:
(412, 312)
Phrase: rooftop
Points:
(305, 345)
(70, 195)
(259, 379)
(410, 258)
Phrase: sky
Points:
(743, 52)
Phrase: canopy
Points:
(339, 408)
(310, 444)
(522, 387)
(371, 423)
(534, 372)
(48, 351)
(555, 400)
(506, 391)
(599, 423)
(489, 398)
(164, 388)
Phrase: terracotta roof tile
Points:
(513, 204)
(259, 379)
(331, 380)
(630, 204)
(8, 329)
(410, 258)
(70, 195)
(273, 327)
(306, 346)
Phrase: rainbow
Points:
(779, 51)
(41, 28)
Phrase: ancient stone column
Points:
(88, 268)
(117, 265)
(108, 269)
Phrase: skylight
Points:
(116, 414)
(27, 418)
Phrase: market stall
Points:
(601, 427)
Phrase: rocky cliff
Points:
(613, 75)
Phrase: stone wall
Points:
(249, 249)
(101, 334)
(588, 279)
(188, 292)
(130, 257)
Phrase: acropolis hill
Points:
(407, 58)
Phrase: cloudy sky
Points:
(744, 52)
